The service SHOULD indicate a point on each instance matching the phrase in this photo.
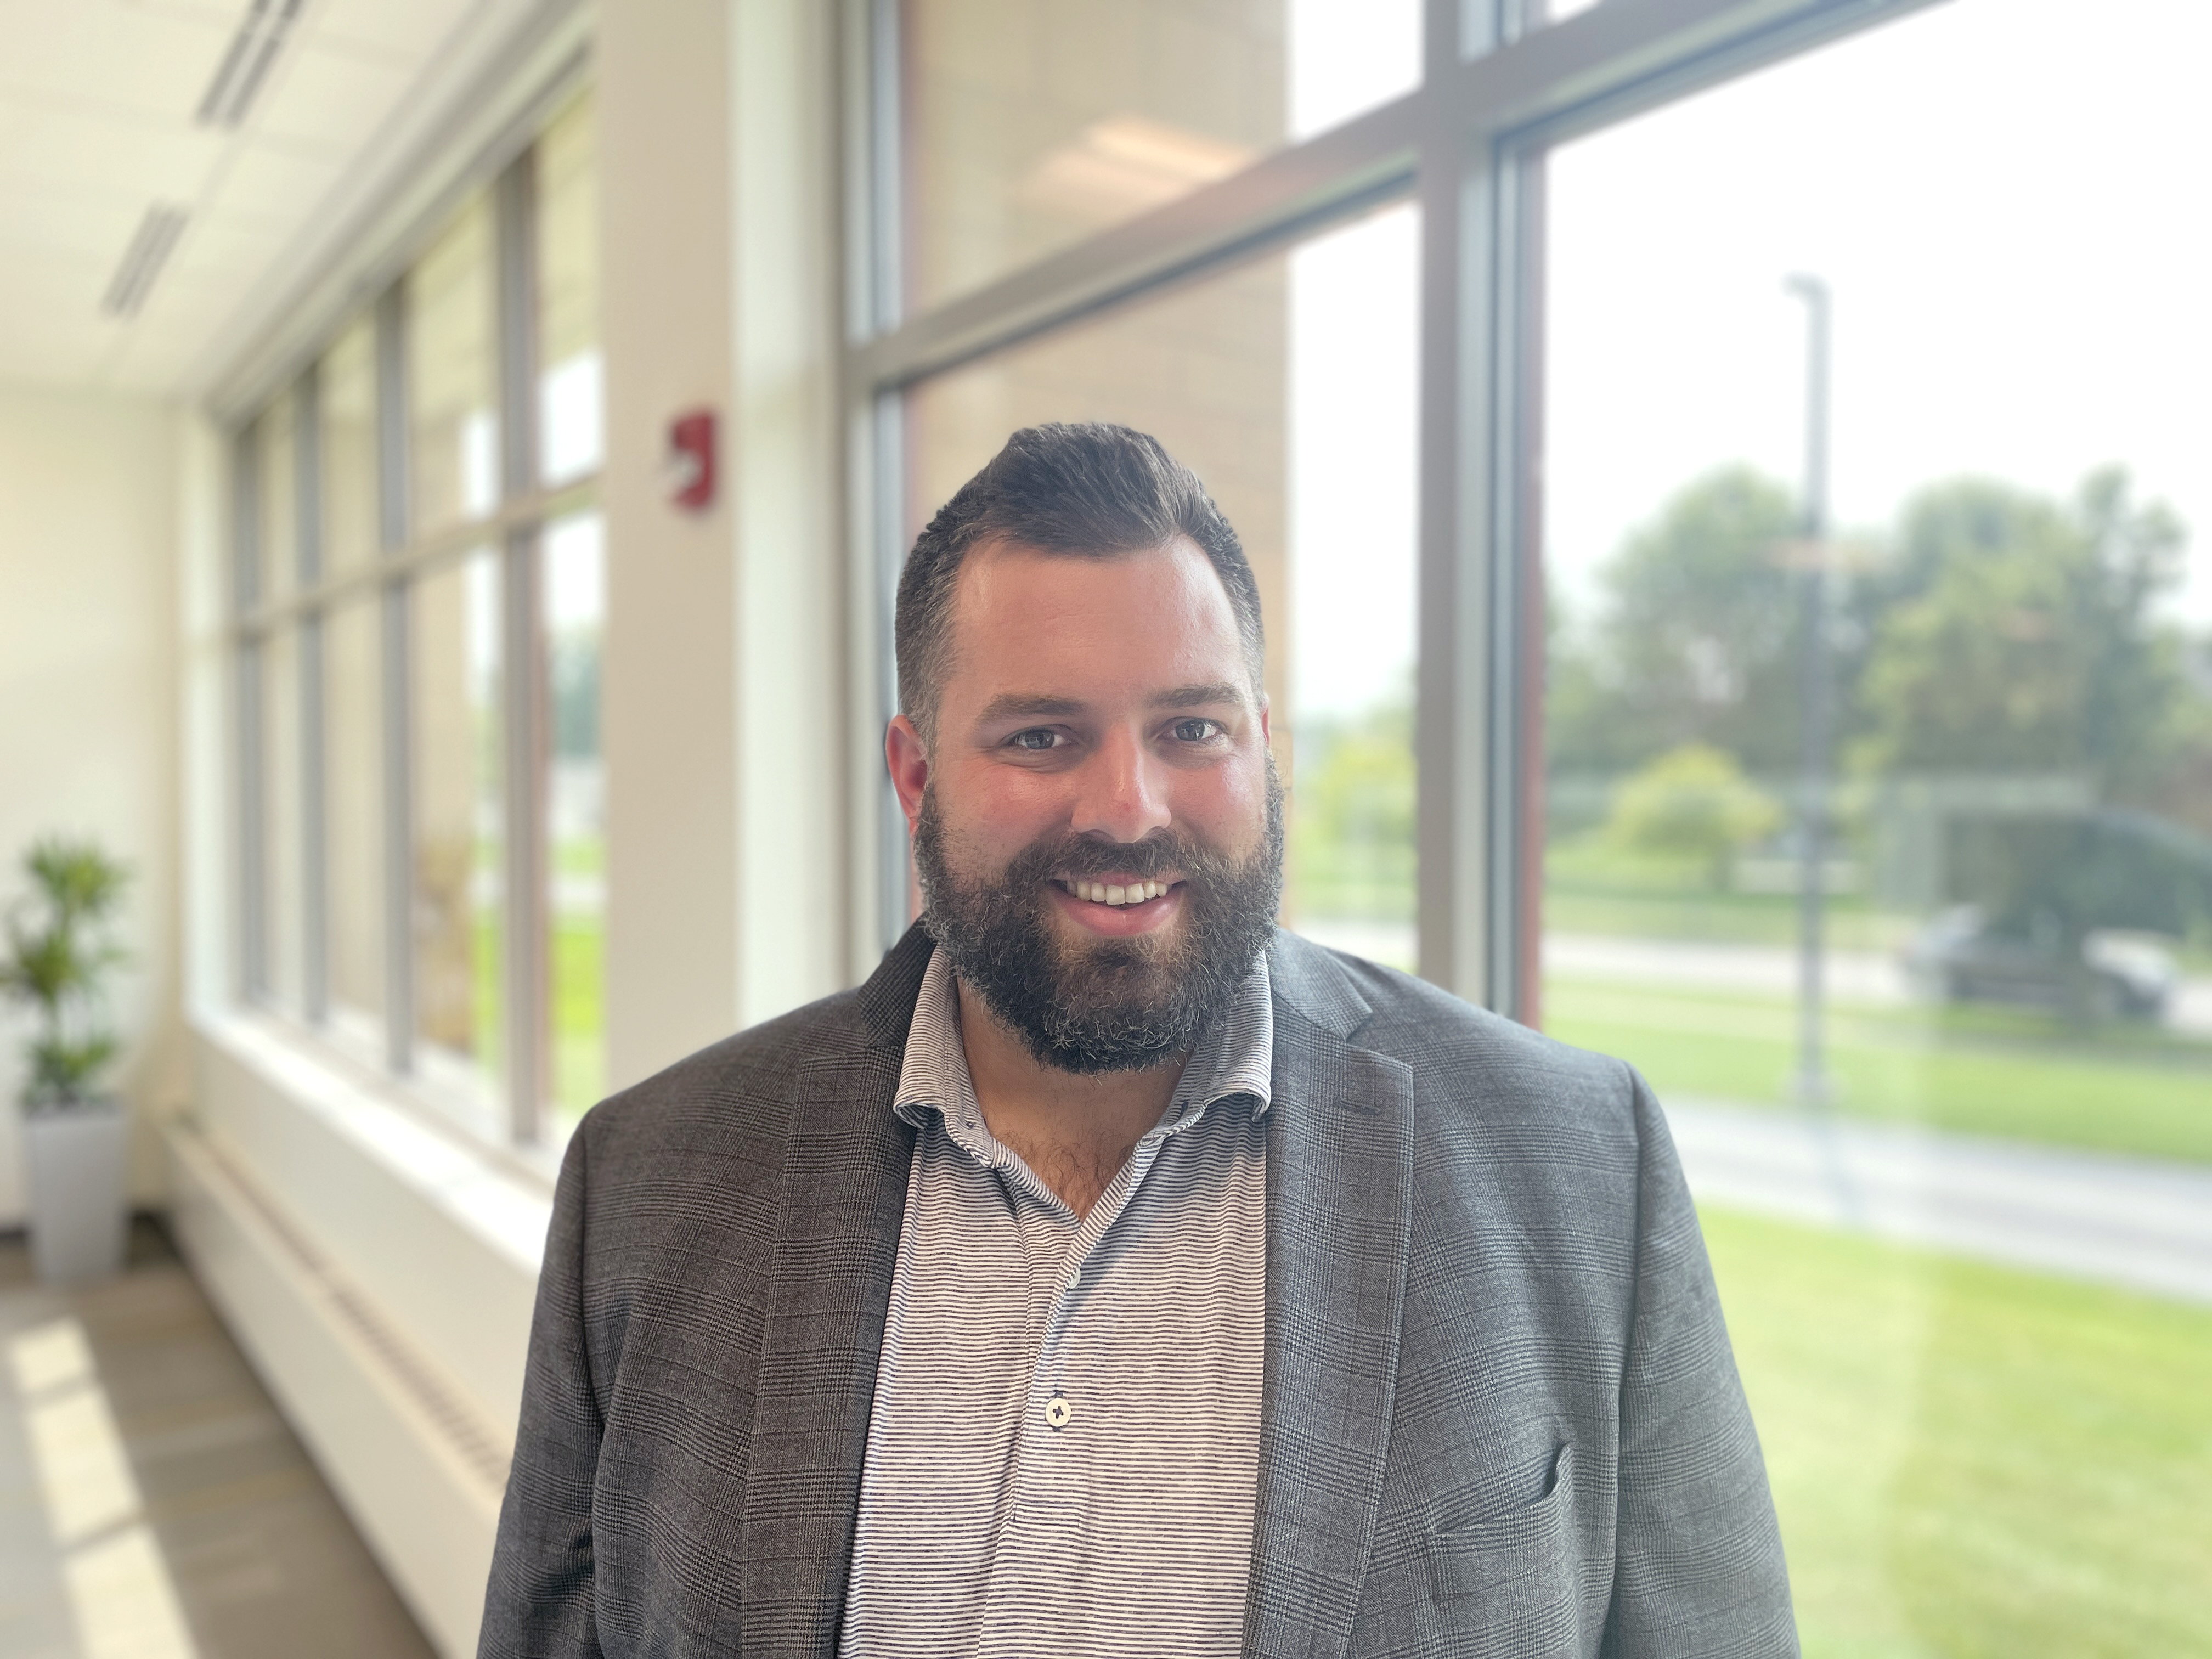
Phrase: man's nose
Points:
(1122, 794)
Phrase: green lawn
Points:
(578, 1022)
(1969, 1461)
(487, 968)
(577, 992)
(1591, 887)
(1981, 1072)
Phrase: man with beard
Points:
(1115, 1272)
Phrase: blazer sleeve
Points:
(539, 1604)
(1700, 1569)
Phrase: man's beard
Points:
(1103, 1004)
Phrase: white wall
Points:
(795, 917)
(88, 735)
(725, 650)
(669, 719)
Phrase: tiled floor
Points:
(153, 1505)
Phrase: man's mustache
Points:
(1086, 855)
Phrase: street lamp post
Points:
(1813, 697)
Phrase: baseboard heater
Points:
(415, 1467)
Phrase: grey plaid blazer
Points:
(1499, 1416)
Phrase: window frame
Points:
(512, 530)
(1500, 86)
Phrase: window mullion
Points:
(314, 838)
(1451, 707)
(393, 509)
(522, 657)
(1514, 560)
(883, 271)
(886, 537)
(875, 428)
(245, 594)
(1454, 31)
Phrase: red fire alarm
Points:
(692, 460)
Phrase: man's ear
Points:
(1267, 736)
(908, 757)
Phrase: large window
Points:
(419, 586)
(1032, 126)
(1721, 480)
(1877, 751)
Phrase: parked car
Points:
(1960, 957)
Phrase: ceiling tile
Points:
(83, 232)
(264, 182)
(50, 280)
(154, 352)
(79, 153)
(411, 28)
(212, 253)
(43, 332)
(329, 98)
(104, 57)
(98, 106)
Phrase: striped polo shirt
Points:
(1063, 1455)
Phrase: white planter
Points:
(77, 1217)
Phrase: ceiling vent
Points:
(261, 35)
(143, 260)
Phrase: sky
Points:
(2008, 199)
(1354, 378)
(1354, 387)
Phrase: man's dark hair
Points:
(1084, 489)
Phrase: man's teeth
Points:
(1099, 892)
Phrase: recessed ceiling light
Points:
(245, 66)
(143, 260)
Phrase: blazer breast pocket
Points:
(1510, 1582)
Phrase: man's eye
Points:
(1197, 731)
(1036, 737)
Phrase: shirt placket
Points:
(1056, 1443)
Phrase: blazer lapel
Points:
(844, 1195)
(1339, 1179)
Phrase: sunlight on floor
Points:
(119, 1589)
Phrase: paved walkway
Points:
(1768, 969)
(2143, 1224)
(1871, 977)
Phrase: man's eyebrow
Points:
(1198, 696)
(1008, 705)
(1025, 705)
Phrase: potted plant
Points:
(59, 956)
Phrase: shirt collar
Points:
(1235, 1057)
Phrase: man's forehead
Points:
(1036, 620)
(1004, 574)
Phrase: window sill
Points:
(424, 1136)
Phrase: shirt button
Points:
(1057, 1411)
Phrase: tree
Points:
(1353, 804)
(1694, 803)
(2014, 633)
(574, 675)
(1698, 643)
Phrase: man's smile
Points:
(1118, 908)
(1114, 888)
